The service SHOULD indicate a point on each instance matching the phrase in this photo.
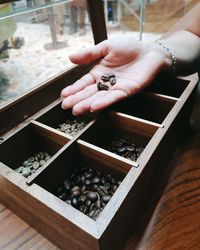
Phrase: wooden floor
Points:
(160, 16)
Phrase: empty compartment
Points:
(64, 120)
(30, 148)
(168, 85)
(150, 107)
(120, 135)
(83, 178)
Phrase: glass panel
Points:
(35, 46)
(145, 19)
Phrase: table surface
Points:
(170, 221)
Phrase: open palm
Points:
(133, 64)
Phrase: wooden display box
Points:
(154, 119)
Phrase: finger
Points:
(89, 55)
(78, 85)
(111, 97)
(85, 105)
(72, 100)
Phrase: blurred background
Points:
(36, 37)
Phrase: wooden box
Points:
(154, 119)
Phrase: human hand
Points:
(132, 62)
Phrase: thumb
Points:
(89, 55)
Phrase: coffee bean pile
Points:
(125, 148)
(71, 127)
(88, 191)
(106, 81)
(34, 162)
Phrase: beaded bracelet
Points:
(173, 57)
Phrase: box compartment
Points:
(30, 140)
(147, 106)
(116, 125)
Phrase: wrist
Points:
(167, 57)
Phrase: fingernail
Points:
(74, 113)
(91, 111)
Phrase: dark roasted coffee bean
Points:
(91, 213)
(112, 81)
(98, 174)
(75, 188)
(96, 180)
(68, 202)
(105, 78)
(98, 204)
(107, 185)
(76, 193)
(113, 188)
(103, 180)
(121, 150)
(106, 198)
(82, 198)
(82, 189)
(130, 148)
(103, 87)
(88, 182)
(92, 196)
(67, 184)
(89, 175)
(62, 196)
(78, 180)
(75, 202)
(94, 187)
(102, 190)
(99, 85)
(88, 203)
(83, 208)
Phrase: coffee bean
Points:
(96, 180)
(67, 185)
(105, 78)
(113, 81)
(88, 203)
(75, 202)
(88, 182)
(92, 196)
(103, 87)
(106, 198)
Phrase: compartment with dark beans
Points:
(71, 127)
(125, 148)
(33, 163)
(88, 190)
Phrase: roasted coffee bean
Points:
(106, 198)
(103, 180)
(114, 188)
(102, 86)
(62, 196)
(96, 213)
(107, 185)
(82, 189)
(88, 203)
(94, 187)
(102, 190)
(75, 188)
(89, 175)
(113, 181)
(91, 213)
(108, 177)
(105, 78)
(68, 202)
(83, 208)
(75, 202)
(112, 81)
(98, 204)
(88, 182)
(67, 184)
(92, 196)
(96, 180)
(98, 174)
(76, 193)
(82, 198)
